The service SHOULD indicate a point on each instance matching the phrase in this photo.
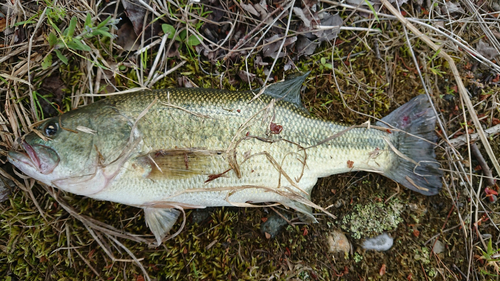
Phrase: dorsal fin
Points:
(288, 90)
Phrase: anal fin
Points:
(160, 221)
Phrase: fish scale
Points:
(174, 149)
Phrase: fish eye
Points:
(51, 129)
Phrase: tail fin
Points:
(417, 118)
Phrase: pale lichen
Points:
(372, 219)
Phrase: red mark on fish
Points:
(405, 121)
(275, 128)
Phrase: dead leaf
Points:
(19, 34)
(259, 62)
(271, 50)
(136, 13)
(486, 50)
(306, 46)
(4, 192)
(174, 50)
(300, 13)
(310, 3)
(400, 2)
(450, 7)
(127, 38)
(358, 2)
(249, 8)
(305, 231)
(52, 87)
(329, 20)
(261, 8)
(288, 65)
(382, 269)
(246, 76)
(3, 24)
(186, 82)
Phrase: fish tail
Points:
(416, 167)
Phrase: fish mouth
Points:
(40, 157)
(32, 155)
(20, 157)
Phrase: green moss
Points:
(358, 257)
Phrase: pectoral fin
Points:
(305, 212)
(160, 221)
(176, 164)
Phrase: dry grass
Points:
(363, 72)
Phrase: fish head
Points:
(70, 151)
(53, 152)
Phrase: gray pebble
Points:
(337, 242)
(199, 215)
(438, 247)
(274, 224)
(381, 243)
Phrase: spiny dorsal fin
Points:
(288, 90)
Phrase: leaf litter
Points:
(249, 45)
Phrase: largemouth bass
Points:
(175, 149)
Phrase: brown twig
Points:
(462, 140)
(484, 166)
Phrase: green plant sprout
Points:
(373, 10)
(192, 40)
(54, 13)
(70, 41)
(492, 258)
(36, 97)
(325, 64)
(357, 257)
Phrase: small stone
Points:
(339, 203)
(417, 208)
(495, 6)
(486, 236)
(273, 225)
(199, 215)
(380, 243)
(337, 242)
(438, 247)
